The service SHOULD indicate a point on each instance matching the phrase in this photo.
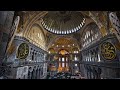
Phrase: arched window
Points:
(63, 59)
(63, 64)
(75, 58)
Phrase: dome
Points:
(63, 22)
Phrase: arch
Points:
(62, 36)
(36, 35)
(89, 34)
(75, 50)
(92, 24)
(51, 50)
(37, 25)
(30, 68)
(32, 21)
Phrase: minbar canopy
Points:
(63, 22)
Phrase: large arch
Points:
(32, 21)
(37, 36)
(89, 34)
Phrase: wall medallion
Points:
(108, 51)
(23, 51)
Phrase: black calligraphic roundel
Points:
(23, 51)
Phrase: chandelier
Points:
(63, 22)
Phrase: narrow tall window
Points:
(98, 57)
(63, 59)
(63, 64)
(75, 58)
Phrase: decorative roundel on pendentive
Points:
(23, 51)
(115, 21)
(108, 51)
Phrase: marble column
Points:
(37, 73)
(29, 75)
(40, 72)
(32, 74)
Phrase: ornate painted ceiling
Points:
(67, 20)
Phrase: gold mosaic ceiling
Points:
(64, 41)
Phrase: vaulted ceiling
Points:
(28, 18)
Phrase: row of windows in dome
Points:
(66, 31)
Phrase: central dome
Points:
(63, 22)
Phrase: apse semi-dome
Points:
(63, 22)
